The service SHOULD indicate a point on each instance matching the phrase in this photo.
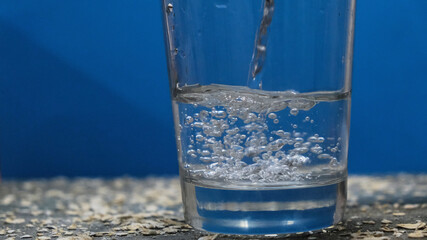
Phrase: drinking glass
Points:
(261, 95)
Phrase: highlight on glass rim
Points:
(261, 96)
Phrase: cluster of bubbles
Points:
(229, 134)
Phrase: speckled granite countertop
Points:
(379, 207)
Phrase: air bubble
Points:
(199, 138)
(276, 121)
(220, 114)
(251, 118)
(205, 153)
(333, 162)
(282, 134)
(297, 134)
(300, 150)
(272, 116)
(324, 156)
(189, 120)
(203, 115)
(316, 139)
(276, 145)
(191, 151)
(265, 156)
(297, 145)
(294, 126)
(316, 149)
(294, 111)
(206, 159)
(232, 131)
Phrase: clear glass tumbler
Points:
(261, 101)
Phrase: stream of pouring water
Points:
(260, 49)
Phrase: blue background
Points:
(84, 89)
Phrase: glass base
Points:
(263, 210)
